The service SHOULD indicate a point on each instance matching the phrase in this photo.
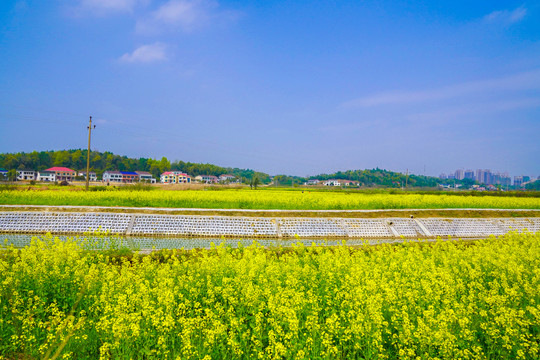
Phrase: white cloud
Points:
(188, 15)
(104, 7)
(506, 16)
(521, 81)
(146, 54)
(101, 121)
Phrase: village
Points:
(60, 174)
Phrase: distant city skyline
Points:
(486, 176)
(298, 88)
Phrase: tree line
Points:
(378, 177)
(103, 161)
(106, 161)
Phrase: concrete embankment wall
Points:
(232, 226)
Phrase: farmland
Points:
(449, 299)
(264, 199)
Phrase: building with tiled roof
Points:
(26, 175)
(112, 176)
(91, 174)
(175, 177)
(129, 176)
(48, 176)
(145, 176)
(63, 173)
(207, 179)
(226, 178)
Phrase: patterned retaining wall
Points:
(249, 227)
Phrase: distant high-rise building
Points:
(469, 174)
(518, 181)
(506, 180)
(480, 175)
(442, 176)
(483, 176)
(489, 177)
(451, 177)
(459, 174)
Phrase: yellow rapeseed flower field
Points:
(431, 300)
(265, 199)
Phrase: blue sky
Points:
(295, 87)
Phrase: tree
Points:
(77, 160)
(12, 175)
(164, 164)
(533, 185)
(254, 182)
(61, 158)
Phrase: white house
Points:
(312, 182)
(92, 174)
(49, 176)
(226, 178)
(332, 182)
(145, 176)
(26, 175)
(112, 176)
(349, 183)
(207, 179)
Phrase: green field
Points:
(264, 199)
(446, 300)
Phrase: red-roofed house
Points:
(63, 173)
(167, 177)
(182, 178)
(175, 177)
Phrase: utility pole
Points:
(88, 155)
(406, 178)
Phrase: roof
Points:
(2, 169)
(166, 173)
(143, 172)
(128, 173)
(59, 169)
